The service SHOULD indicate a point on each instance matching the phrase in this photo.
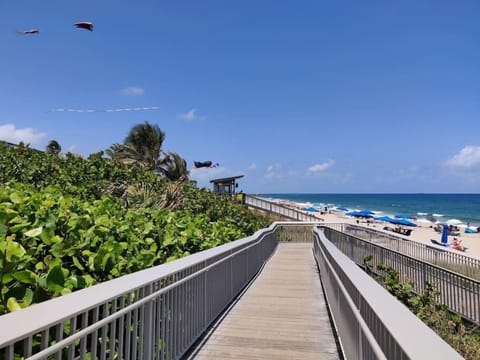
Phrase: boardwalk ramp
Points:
(282, 315)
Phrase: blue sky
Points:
(299, 96)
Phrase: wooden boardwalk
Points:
(281, 316)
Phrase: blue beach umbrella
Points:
(445, 234)
(405, 222)
(359, 214)
(384, 218)
(342, 208)
(366, 211)
(310, 209)
(402, 222)
(471, 230)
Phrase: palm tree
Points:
(53, 147)
(142, 146)
(174, 167)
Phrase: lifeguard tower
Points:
(226, 186)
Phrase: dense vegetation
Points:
(67, 223)
(462, 336)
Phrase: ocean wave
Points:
(438, 215)
(423, 220)
(422, 213)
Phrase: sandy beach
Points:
(421, 233)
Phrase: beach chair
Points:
(439, 243)
(436, 248)
(407, 232)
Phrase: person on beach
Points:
(457, 244)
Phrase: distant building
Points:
(225, 186)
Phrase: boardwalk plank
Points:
(281, 316)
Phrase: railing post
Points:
(148, 326)
(424, 270)
(231, 278)
(205, 283)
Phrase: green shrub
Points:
(65, 223)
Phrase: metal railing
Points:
(156, 313)
(294, 232)
(280, 210)
(460, 293)
(454, 261)
(371, 323)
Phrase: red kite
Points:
(84, 25)
(29, 32)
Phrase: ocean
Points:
(438, 207)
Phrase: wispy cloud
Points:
(252, 167)
(273, 171)
(132, 91)
(318, 168)
(204, 175)
(467, 158)
(10, 133)
(191, 115)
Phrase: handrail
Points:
(438, 255)
(350, 307)
(392, 327)
(279, 209)
(160, 310)
(144, 301)
(90, 297)
(460, 293)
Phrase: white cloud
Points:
(317, 168)
(273, 171)
(467, 158)
(10, 133)
(252, 167)
(132, 91)
(191, 115)
(207, 174)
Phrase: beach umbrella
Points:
(366, 211)
(471, 230)
(402, 222)
(445, 234)
(384, 218)
(359, 214)
(406, 222)
(342, 208)
(310, 209)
